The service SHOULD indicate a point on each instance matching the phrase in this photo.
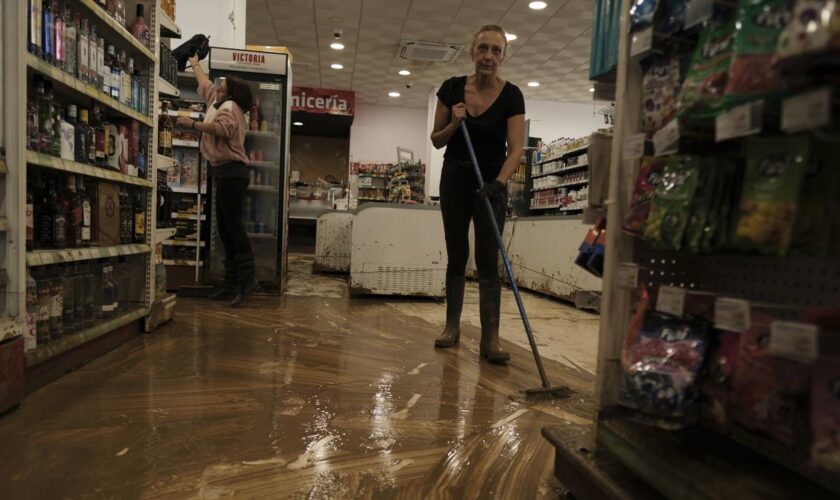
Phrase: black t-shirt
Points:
(488, 131)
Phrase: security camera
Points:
(337, 34)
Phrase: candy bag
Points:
(704, 84)
(757, 32)
(672, 198)
(816, 219)
(771, 193)
(660, 85)
(825, 415)
(717, 221)
(649, 173)
(814, 28)
(701, 206)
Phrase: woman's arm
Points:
(222, 126)
(515, 130)
(447, 123)
(200, 75)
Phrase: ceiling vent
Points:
(429, 51)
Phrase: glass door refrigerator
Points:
(269, 75)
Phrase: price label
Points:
(697, 11)
(628, 275)
(641, 42)
(667, 139)
(269, 86)
(806, 111)
(671, 300)
(732, 314)
(797, 341)
(634, 146)
(739, 121)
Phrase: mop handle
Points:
(500, 243)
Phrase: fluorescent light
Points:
(592, 89)
(405, 72)
(337, 46)
(393, 94)
(538, 5)
(336, 66)
(510, 37)
(533, 84)
(298, 124)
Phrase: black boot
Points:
(490, 301)
(228, 287)
(454, 304)
(247, 278)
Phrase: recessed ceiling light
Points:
(405, 72)
(510, 37)
(592, 89)
(337, 46)
(298, 124)
(533, 84)
(538, 5)
(336, 66)
(393, 94)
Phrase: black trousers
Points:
(459, 204)
(230, 211)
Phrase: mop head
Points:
(542, 395)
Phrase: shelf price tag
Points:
(667, 139)
(627, 275)
(732, 314)
(671, 300)
(797, 341)
(641, 42)
(697, 11)
(739, 121)
(806, 111)
(634, 146)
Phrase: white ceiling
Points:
(552, 45)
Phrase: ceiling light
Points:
(298, 124)
(337, 46)
(393, 94)
(538, 5)
(405, 72)
(510, 37)
(336, 66)
(533, 84)
(592, 89)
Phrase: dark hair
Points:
(240, 92)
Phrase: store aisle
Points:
(304, 396)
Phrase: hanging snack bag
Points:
(660, 86)
(672, 18)
(816, 218)
(672, 198)
(814, 28)
(758, 28)
(825, 415)
(641, 14)
(770, 194)
(701, 205)
(717, 220)
(705, 81)
(649, 174)
(717, 386)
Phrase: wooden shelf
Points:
(163, 234)
(53, 162)
(178, 143)
(167, 88)
(195, 115)
(184, 243)
(168, 28)
(47, 257)
(126, 38)
(183, 216)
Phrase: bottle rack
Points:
(557, 176)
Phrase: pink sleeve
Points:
(207, 91)
(226, 124)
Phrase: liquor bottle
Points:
(255, 115)
(44, 215)
(85, 233)
(128, 77)
(30, 339)
(138, 28)
(165, 131)
(47, 30)
(56, 304)
(61, 205)
(111, 68)
(74, 214)
(102, 131)
(68, 311)
(103, 4)
(108, 296)
(93, 66)
(135, 86)
(44, 290)
(56, 132)
(58, 20)
(120, 12)
(33, 130)
(125, 217)
(89, 281)
(121, 278)
(144, 95)
(80, 139)
(35, 33)
(30, 216)
(104, 73)
(140, 161)
(45, 117)
(139, 219)
(111, 8)
(79, 295)
(70, 27)
(83, 45)
(67, 134)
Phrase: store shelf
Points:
(182, 262)
(373, 199)
(565, 184)
(564, 154)
(165, 162)
(167, 88)
(9, 328)
(262, 236)
(118, 30)
(184, 243)
(374, 176)
(82, 90)
(68, 342)
(47, 257)
(187, 189)
(164, 234)
(560, 171)
(168, 28)
(195, 115)
(183, 216)
(48, 161)
(178, 143)
(546, 207)
(264, 189)
(263, 164)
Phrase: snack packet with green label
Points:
(669, 212)
(771, 192)
(705, 81)
(701, 205)
(718, 222)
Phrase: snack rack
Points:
(735, 462)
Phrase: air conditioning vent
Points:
(430, 51)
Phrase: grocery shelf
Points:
(560, 171)
(187, 189)
(182, 262)
(184, 243)
(195, 115)
(67, 342)
(118, 29)
(53, 162)
(373, 199)
(164, 234)
(564, 154)
(546, 207)
(47, 257)
(167, 88)
(263, 164)
(165, 162)
(184, 216)
(84, 90)
(178, 143)
(10, 327)
(168, 28)
(265, 189)
(374, 176)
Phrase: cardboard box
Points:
(107, 214)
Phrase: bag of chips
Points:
(701, 206)
(660, 86)
(702, 90)
(672, 198)
(649, 173)
(771, 192)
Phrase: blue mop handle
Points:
(500, 243)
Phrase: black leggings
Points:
(230, 208)
(459, 204)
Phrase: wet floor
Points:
(313, 395)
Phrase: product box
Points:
(107, 214)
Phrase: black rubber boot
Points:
(490, 301)
(229, 285)
(247, 278)
(454, 305)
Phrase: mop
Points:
(547, 390)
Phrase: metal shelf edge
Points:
(48, 161)
(48, 257)
(121, 30)
(168, 28)
(167, 88)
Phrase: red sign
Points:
(323, 101)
